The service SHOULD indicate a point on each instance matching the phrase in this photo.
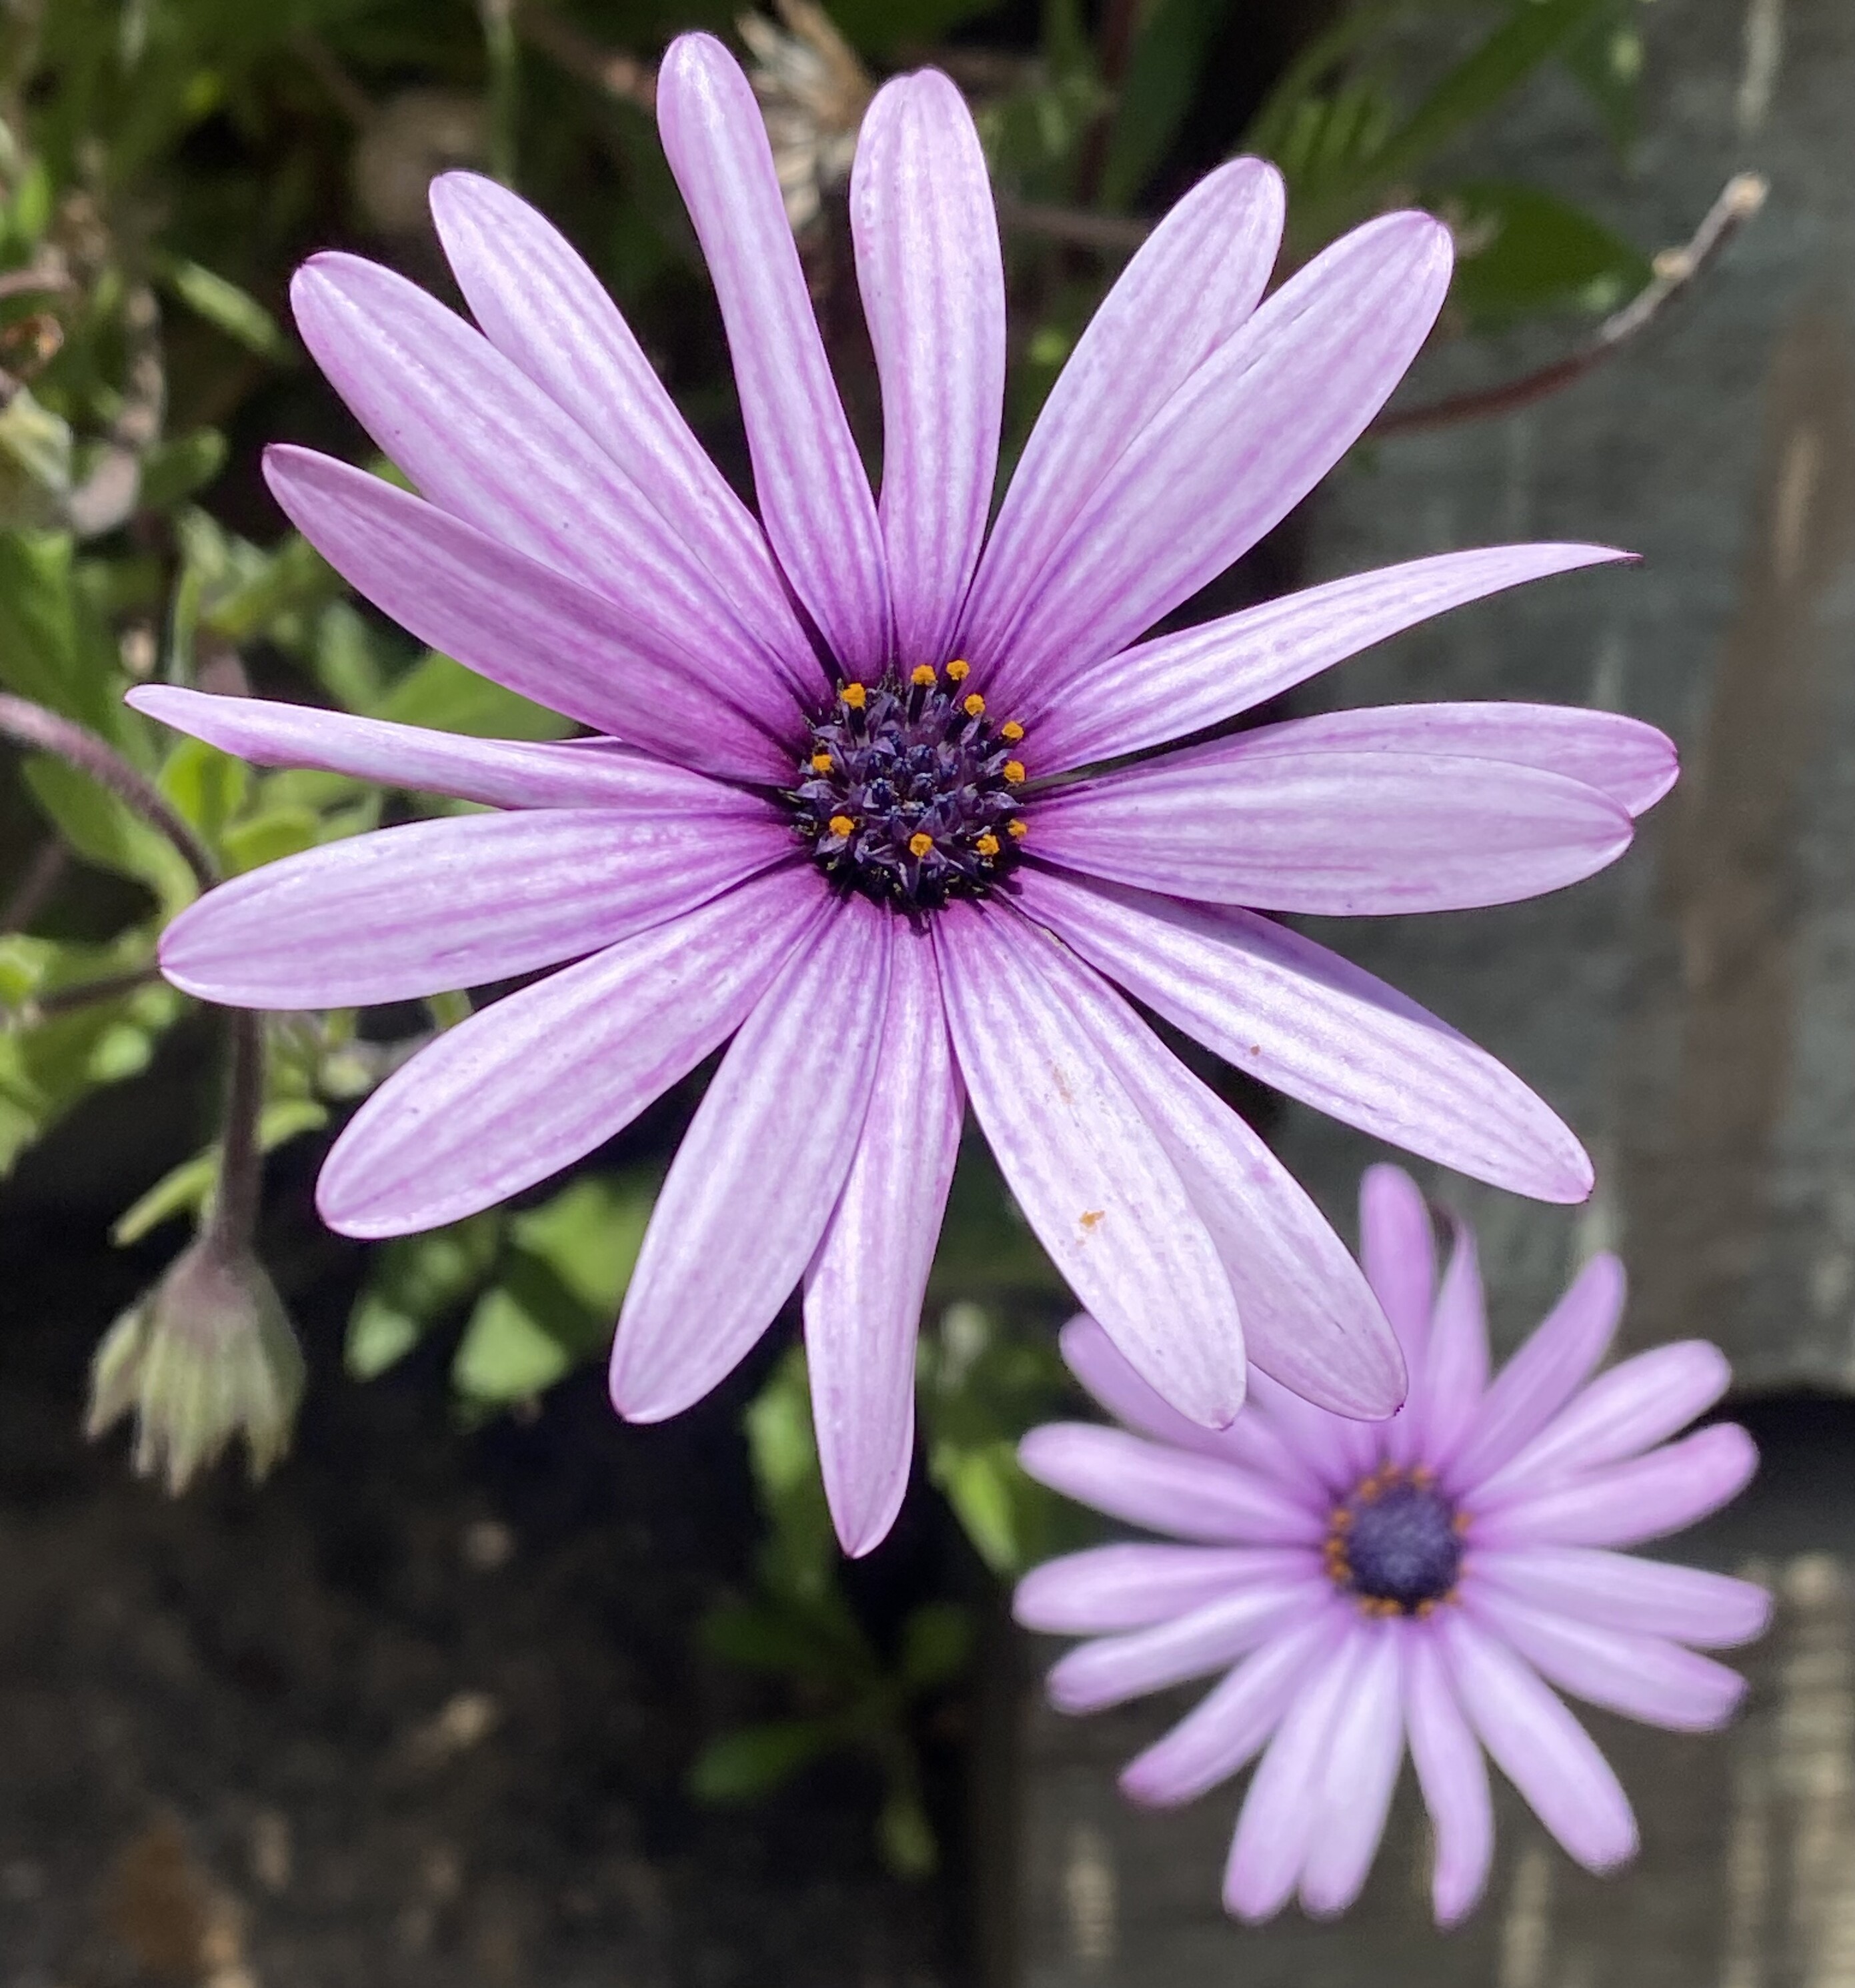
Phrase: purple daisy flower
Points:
(1417, 1579)
(837, 807)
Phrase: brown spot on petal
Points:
(1090, 1216)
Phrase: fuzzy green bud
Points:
(207, 1355)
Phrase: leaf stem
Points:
(234, 1220)
(1676, 270)
(30, 724)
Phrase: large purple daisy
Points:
(850, 824)
(1414, 1580)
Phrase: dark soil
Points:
(418, 1711)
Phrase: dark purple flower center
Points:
(909, 792)
(1396, 1543)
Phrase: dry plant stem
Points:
(343, 92)
(43, 873)
(620, 76)
(84, 994)
(31, 725)
(1676, 270)
(34, 282)
(1109, 234)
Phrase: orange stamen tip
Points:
(920, 845)
(1011, 729)
(959, 671)
(1014, 771)
(854, 695)
(987, 845)
(922, 675)
(821, 762)
(973, 706)
(842, 825)
(1017, 830)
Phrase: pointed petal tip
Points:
(863, 1516)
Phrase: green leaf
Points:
(34, 463)
(507, 1353)
(1163, 76)
(174, 470)
(741, 1766)
(230, 310)
(413, 1283)
(43, 655)
(1607, 62)
(108, 832)
(762, 1636)
(1521, 250)
(278, 831)
(344, 658)
(590, 1233)
(206, 786)
(48, 1064)
(937, 1644)
(1536, 31)
(905, 1836)
(448, 698)
(981, 1485)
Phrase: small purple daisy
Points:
(1417, 1579)
(839, 805)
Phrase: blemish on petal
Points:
(1089, 1217)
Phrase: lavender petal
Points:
(1333, 833)
(528, 1085)
(738, 1220)
(815, 497)
(1298, 1017)
(546, 313)
(517, 622)
(433, 905)
(1177, 684)
(932, 278)
(863, 1292)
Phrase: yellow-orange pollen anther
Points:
(821, 762)
(1011, 730)
(987, 846)
(957, 670)
(974, 706)
(1014, 771)
(1017, 830)
(854, 695)
(921, 845)
(921, 676)
(842, 825)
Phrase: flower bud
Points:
(207, 1355)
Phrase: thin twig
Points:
(328, 69)
(1676, 271)
(620, 76)
(34, 281)
(41, 876)
(81, 994)
(30, 724)
(1111, 234)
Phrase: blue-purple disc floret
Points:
(909, 792)
(1396, 1543)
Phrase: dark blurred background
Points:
(481, 1686)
